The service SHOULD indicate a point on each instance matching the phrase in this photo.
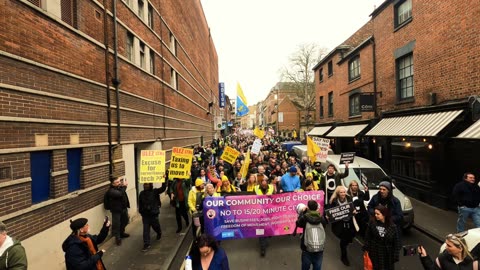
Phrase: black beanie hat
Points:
(78, 223)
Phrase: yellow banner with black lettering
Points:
(180, 163)
(152, 166)
(230, 155)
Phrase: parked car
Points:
(374, 175)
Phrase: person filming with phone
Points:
(455, 256)
(118, 204)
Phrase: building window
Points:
(354, 68)
(74, 166)
(150, 16)
(403, 12)
(330, 68)
(142, 55)
(173, 44)
(69, 12)
(140, 9)
(330, 104)
(354, 105)
(152, 62)
(35, 2)
(174, 79)
(320, 75)
(321, 107)
(130, 46)
(128, 2)
(405, 77)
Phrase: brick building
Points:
(84, 87)
(416, 77)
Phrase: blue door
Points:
(74, 163)
(40, 165)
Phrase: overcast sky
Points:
(254, 38)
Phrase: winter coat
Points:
(14, 258)
(185, 187)
(466, 194)
(149, 201)
(337, 176)
(77, 254)
(359, 204)
(312, 217)
(383, 251)
(446, 263)
(219, 261)
(392, 203)
(343, 229)
(118, 198)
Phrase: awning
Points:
(422, 125)
(319, 131)
(473, 132)
(346, 131)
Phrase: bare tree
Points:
(299, 72)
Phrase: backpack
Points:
(314, 237)
(106, 201)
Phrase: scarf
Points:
(88, 241)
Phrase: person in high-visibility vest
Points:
(264, 188)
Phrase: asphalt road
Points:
(284, 253)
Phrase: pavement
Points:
(169, 252)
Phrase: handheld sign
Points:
(257, 145)
(340, 212)
(180, 163)
(347, 157)
(230, 155)
(152, 166)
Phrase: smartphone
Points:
(410, 250)
(106, 219)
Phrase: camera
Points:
(410, 250)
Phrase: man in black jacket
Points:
(467, 196)
(119, 204)
(149, 207)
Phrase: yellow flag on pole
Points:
(259, 133)
(312, 149)
(246, 164)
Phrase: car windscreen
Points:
(373, 175)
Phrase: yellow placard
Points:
(229, 155)
(152, 166)
(180, 163)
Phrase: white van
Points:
(374, 175)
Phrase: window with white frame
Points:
(173, 79)
(141, 6)
(150, 16)
(142, 55)
(354, 68)
(403, 12)
(405, 89)
(152, 62)
(173, 45)
(330, 104)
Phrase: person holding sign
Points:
(333, 180)
(382, 241)
(226, 187)
(343, 229)
(149, 207)
(359, 198)
(195, 199)
(178, 193)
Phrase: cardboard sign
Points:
(230, 155)
(257, 145)
(340, 212)
(347, 157)
(152, 166)
(180, 163)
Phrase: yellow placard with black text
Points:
(152, 166)
(229, 155)
(180, 163)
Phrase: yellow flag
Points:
(246, 164)
(312, 149)
(294, 134)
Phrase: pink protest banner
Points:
(247, 216)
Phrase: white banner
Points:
(257, 145)
(323, 144)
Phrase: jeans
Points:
(312, 258)
(150, 221)
(463, 214)
(119, 222)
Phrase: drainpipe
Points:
(116, 80)
(375, 112)
(163, 77)
(107, 82)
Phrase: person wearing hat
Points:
(81, 248)
(149, 208)
(385, 197)
(317, 173)
(119, 204)
(309, 184)
(226, 187)
(290, 181)
(195, 203)
(12, 253)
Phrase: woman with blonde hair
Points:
(455, 256)
(343, 229)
